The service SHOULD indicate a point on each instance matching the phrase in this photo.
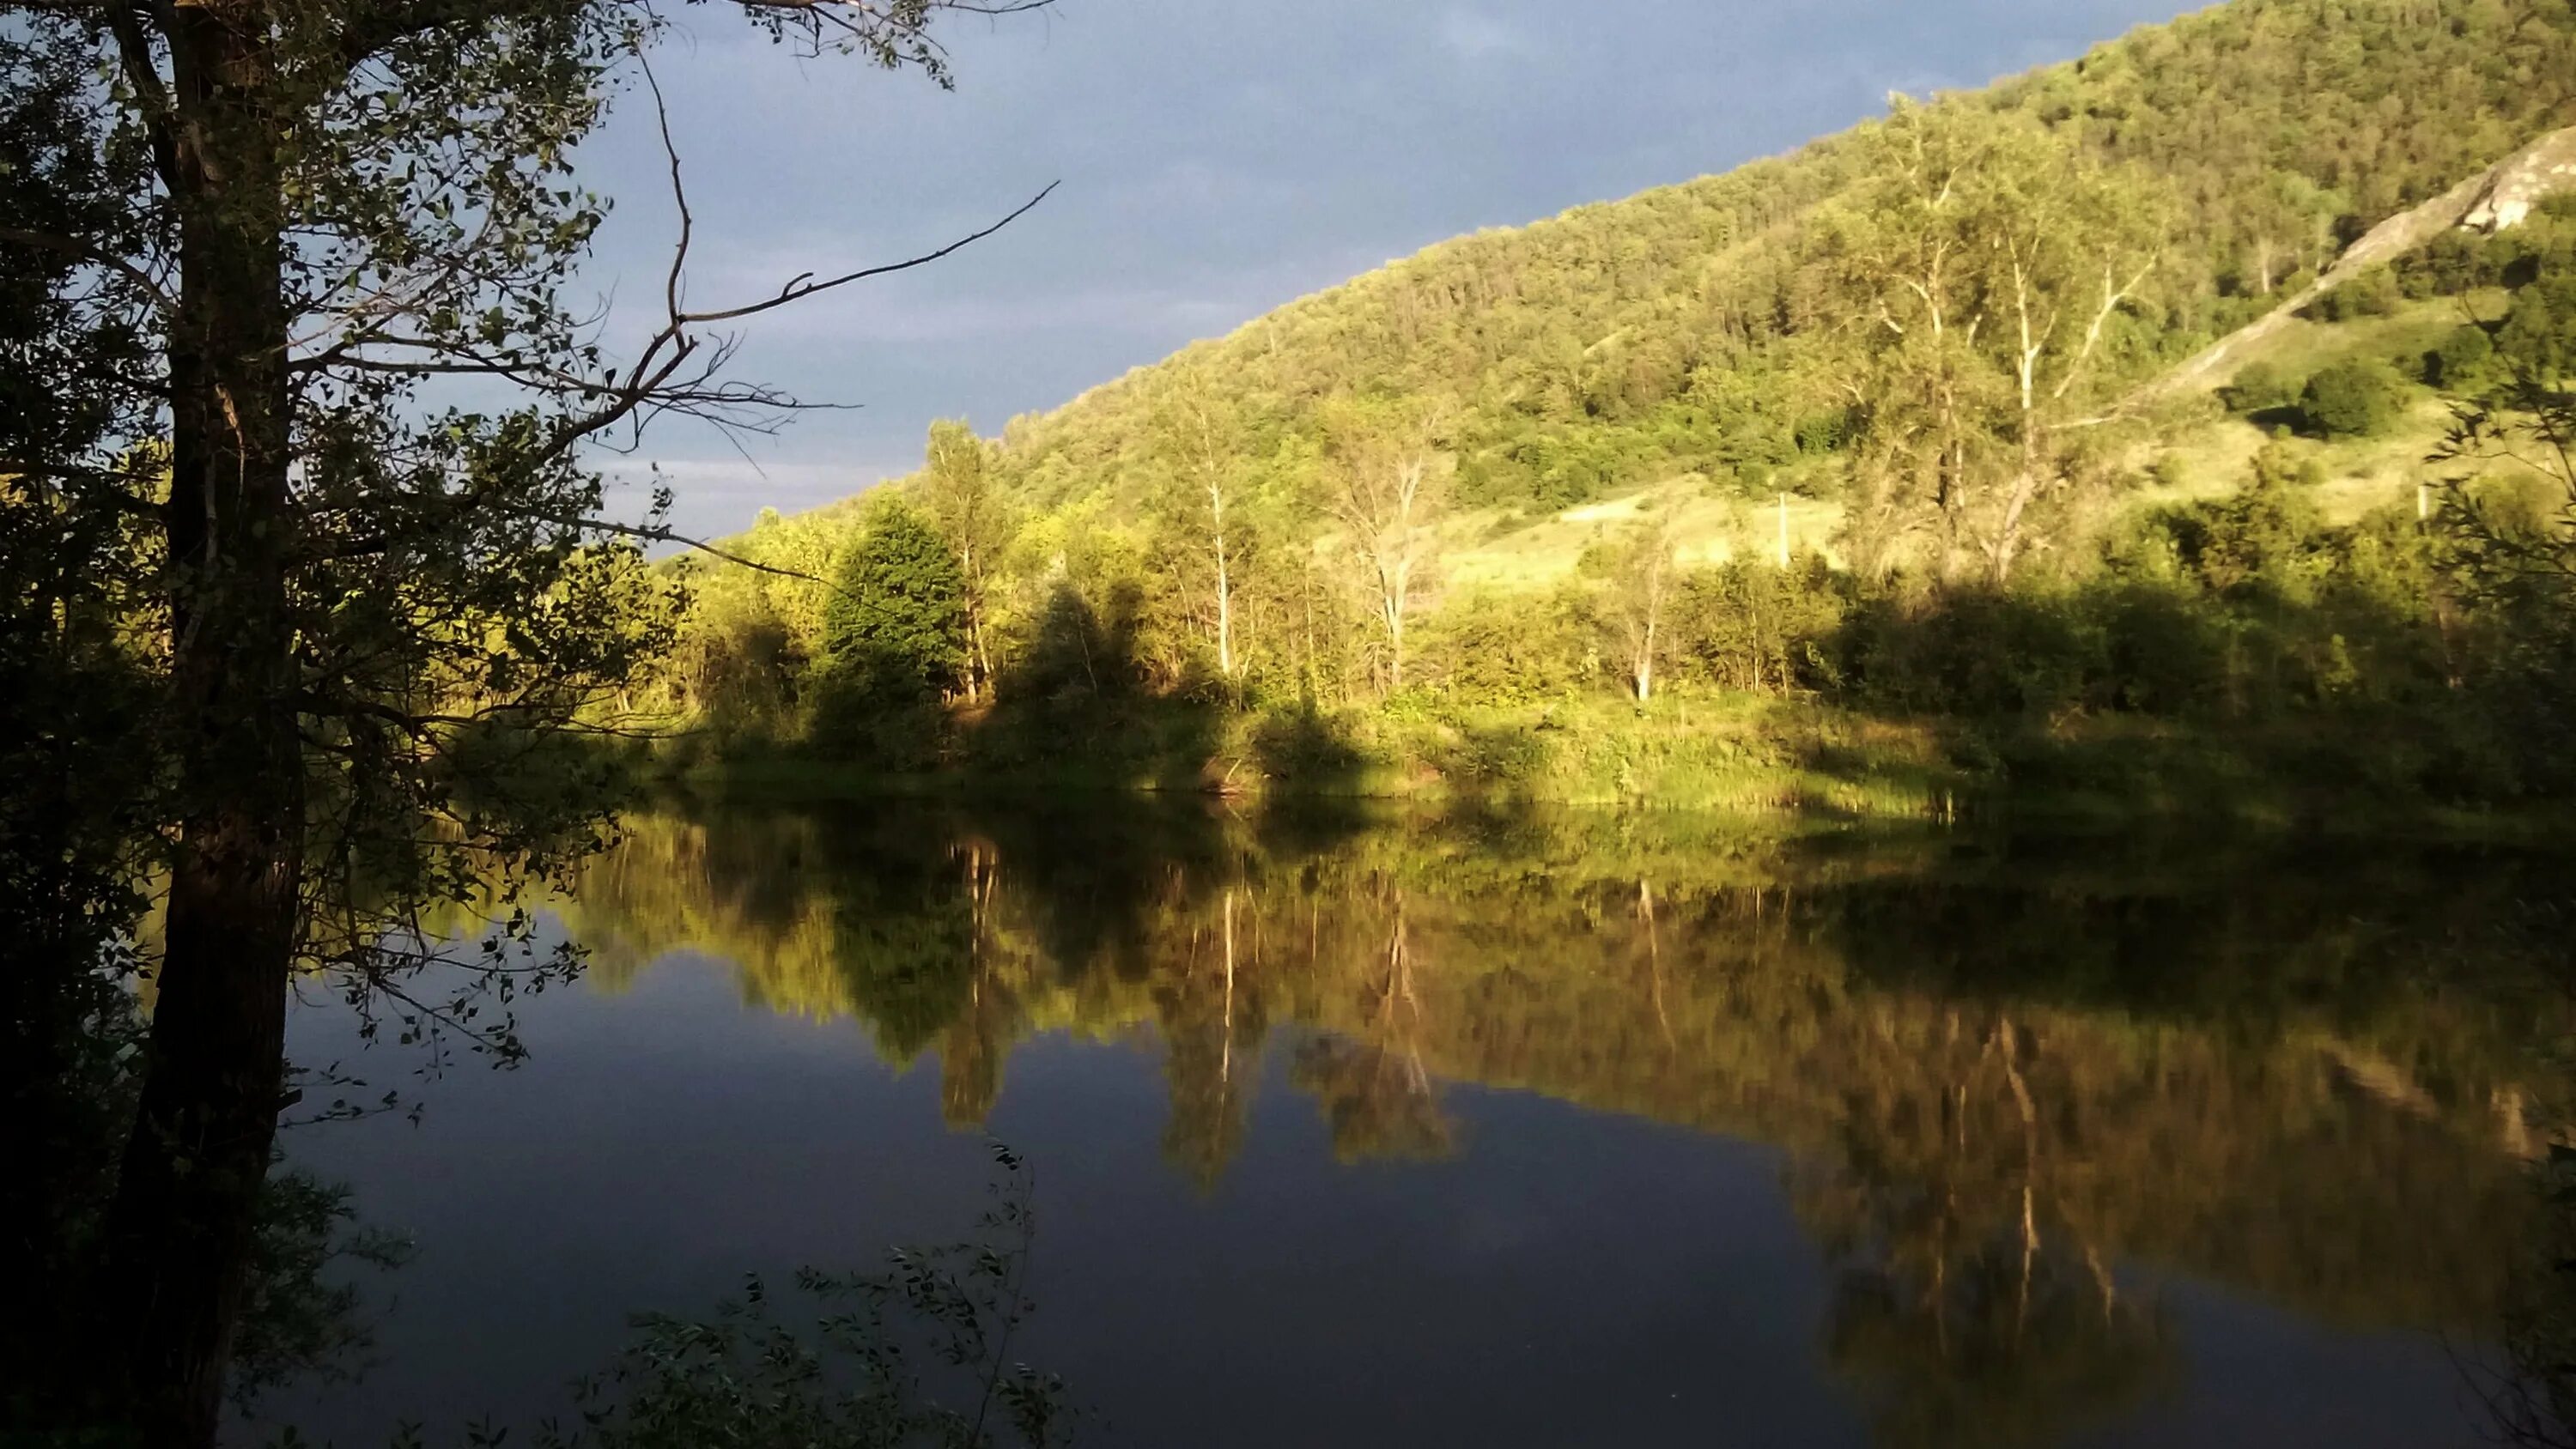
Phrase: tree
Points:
(2463, 363)
(2288, 223)
(1197, 434)
(1983, 269)
(1639, 579)
(957, 490)
(2259, 387)
(896, 627)
(321, 254)
(1387, 489)
(2359, 398)
(2539, 332)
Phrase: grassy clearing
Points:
(2211, 457)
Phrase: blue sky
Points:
(1217, 159)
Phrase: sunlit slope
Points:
(2192, 450)
(1663, 338)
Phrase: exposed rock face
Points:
(2496, 199)
(2525, 179)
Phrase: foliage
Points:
(2359, 398)
(1683, 329)
(2463, 363)
(867, 1373)
(2515, 551)
(2374, 293)
(299, 419)
(2259, 387)
(957, 490)
(1759, 628)
(304, 1321)
(1739, 333)
(896, 621)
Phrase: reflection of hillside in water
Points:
(1995, 1079)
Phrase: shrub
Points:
(2446, 266)
(1976, 653)
(2359, 398)
(2463, 362)
(1751, 625)
(2259, 387)
(2539, 334)
(2372, 294)
(2165, 653)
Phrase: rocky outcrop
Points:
(2529, 177)
(2494, 200)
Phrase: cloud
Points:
(1472, 36)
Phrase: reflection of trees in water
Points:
(1375, 1090)
(1212, 1016)
(2009, 1340)
(1995, 1081)
(1967, 1301)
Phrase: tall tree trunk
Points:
(1224, 586)
(1395, 643)
(179, 1230)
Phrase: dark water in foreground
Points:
(1503, 1131)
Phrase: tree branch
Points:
(799, 289)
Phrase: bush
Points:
(2372, 294)
(2463, 362)
(1978, 653)
(2259, 387)
(2355, 399)
(2165, 652)
(1751, 625)
(2446, 266)
(2539, 334)
(1502, 648)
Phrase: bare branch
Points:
(800, 289)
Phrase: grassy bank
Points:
(1743, 756)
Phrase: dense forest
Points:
(1866, 428)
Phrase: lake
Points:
(1503, 1129)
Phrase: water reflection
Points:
(2006, 1080)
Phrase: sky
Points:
(1216, 160)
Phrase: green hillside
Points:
(1498, 484)
(1680, 329)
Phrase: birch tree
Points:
(1638, 580)
(1981, 280)
(958, 492)
(1388, 486)
(1199, 435)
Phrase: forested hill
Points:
(1868, 424)
(1687, 328)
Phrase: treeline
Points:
(1239, 563)
(950, 621)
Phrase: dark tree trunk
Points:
(180, 1228)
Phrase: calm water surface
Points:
(1502, 1130)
